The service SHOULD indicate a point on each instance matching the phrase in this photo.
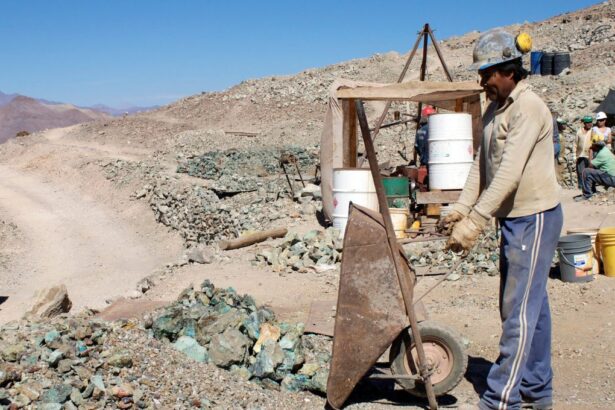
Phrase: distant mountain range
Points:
(20, 113)
(116, 112)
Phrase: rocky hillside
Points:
(290, 109)
(29, 115)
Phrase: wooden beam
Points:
(349, 134)
(437, 197)
(242, 133)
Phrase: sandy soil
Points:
(77, 229)
(76, 234)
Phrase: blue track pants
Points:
(523, 368)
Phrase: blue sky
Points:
(138, 52)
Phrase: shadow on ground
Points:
(386, 391)
(478, 368)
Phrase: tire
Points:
(442, 346)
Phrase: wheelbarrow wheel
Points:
(444, 353)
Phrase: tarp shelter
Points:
(338, 143)
(608, 106)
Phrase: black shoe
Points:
(537, 406)
(581, 198)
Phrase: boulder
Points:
(228, 348)
(200, 254)
(50, 302)
(191, 348)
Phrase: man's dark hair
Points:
(513, 66)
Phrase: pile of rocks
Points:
(202, 217)
(235, 171)
(171, 359)
(203, 213)
(484, 257)
(65, 364)
(218, 326)
(568, 172)
(123, 172)
(317, 250)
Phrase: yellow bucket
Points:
(606, 240)
(399, 217)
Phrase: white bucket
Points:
(451, 151)
(354, 185)
(399, 217)
(593, 234)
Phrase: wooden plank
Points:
(242, 133)
(425, 91)
(349, 134)
(437, 197)
(251, 239)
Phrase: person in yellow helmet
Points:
(513, 179)
(601, 171)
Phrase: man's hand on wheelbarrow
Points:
(447, 222)
(465, 233)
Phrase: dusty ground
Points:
(62, 221)
(72, 230)
(66, 224)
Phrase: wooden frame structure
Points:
(461, 96)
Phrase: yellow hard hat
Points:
(597, 138)
(524, 42)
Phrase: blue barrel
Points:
(535, 60)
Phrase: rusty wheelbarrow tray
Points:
(375, 308)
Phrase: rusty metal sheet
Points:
(321, 317)
(370, 307)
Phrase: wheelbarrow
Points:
(376, 310)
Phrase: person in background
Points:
(557, 146)
(421, 142)
(582, 144)
(601, 171)
(602, 129)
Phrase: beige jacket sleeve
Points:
(525, 126)
(471, 189)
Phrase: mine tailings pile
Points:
(84, 362)
(220, 327)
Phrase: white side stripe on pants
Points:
(523, 316)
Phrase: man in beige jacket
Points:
(582, 144)
(513, 179)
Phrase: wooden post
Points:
(401, 267)
(349, 134)
(402, 75)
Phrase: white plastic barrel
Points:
(354, 185)
(451, 150)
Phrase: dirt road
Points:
(72, 239)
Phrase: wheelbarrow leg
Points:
(401, 268)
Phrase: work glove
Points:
(465, 233)
(446, 223)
